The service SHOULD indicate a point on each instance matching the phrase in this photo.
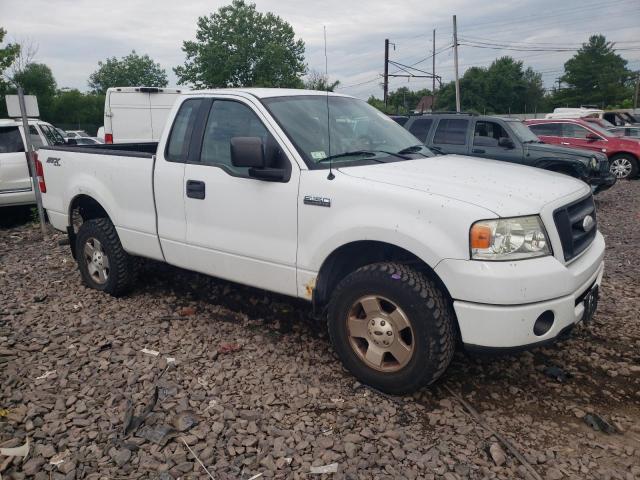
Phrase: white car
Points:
(77, 134)
(320, 196)
(15, 182)
(137, 114)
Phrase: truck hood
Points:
(559, 151)
(503, 188)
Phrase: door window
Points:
(547, 129)
(488, 134)
(571, 130)
(229, 119)
(451, 131)
(10, 140)
(420, 128)
(181, 131)
(36, 139)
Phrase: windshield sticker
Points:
(318, 155)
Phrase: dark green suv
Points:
(510, 140)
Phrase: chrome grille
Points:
(570, 222)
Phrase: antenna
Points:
(331, 176)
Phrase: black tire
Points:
(428, 310)
(629, 160)
(121, 271)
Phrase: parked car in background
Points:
(623, 152)
(407, 253)
(15, 180)
(88, 141)
(632, 132)
(508, 140)
(77, 134)
(614, 117)
(100, 134)
(137, 114)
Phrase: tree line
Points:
(238, 46)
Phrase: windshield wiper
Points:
(368, 153)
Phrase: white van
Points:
(137, 114)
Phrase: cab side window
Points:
(451, 131)
(229, 119)
(487, 134)
(181, 131)
(36, 139)
(570, 130)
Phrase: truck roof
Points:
(143, 89)
(12, 122)
(267, 92)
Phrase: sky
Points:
(74, 35)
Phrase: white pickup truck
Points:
(322, 197)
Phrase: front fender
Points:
(575, 168)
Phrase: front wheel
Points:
(624, 166)
(392, 327)
(103, 263)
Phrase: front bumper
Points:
(512, 326)
(602, 182)
(498, 303)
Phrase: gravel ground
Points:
(256, 389)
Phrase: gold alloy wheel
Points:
(380, 333)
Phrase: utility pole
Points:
(635, 97)
(433, 70)
(455, 59)
(386, 70)
(559, 83)
(31, 161)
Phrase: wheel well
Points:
(624, 154)
(88, 209)
(350, 257)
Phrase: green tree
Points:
(505, 86)
(240, 47)
(595, 75)
(8, 54)
(72, 109)
(37, 79)
(319, 81)
(130, 71)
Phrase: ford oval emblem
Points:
(588, 223)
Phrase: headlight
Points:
(594, 163)
(508, 239)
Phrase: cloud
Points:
(74, 35)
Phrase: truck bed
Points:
(119, 177)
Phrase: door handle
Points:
(565, 143)
(478, 150)
(195, 189)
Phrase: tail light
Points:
(40, 174)
(108, 138)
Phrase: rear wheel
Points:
(392, 327)
(624, 166)
(103, 263)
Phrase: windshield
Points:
(357, 132)
(523, 132)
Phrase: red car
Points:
(623, 152)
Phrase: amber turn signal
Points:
(480, 236)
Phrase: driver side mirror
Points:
(592, 137)
(505, 142)
(249, 152)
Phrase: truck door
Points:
(237, 227)
(492, 140)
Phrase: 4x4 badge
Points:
(317, 201)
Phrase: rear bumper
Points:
(508, 327)
(17, 197)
